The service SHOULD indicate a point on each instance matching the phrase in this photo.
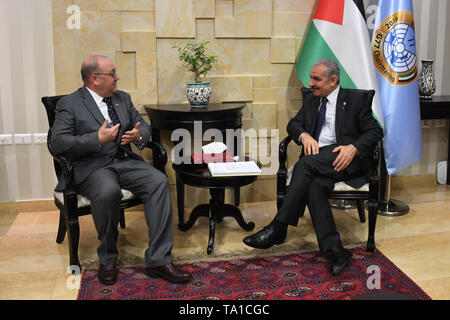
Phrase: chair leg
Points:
(122, 219)
(61, 228)
(73, 236)
(373, 211)
(361, 213)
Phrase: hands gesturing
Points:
(106, 134)
(132, 135)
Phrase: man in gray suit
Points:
(94, 128)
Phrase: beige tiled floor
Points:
(33, 265)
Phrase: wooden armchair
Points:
(72, 205)
(369, 192)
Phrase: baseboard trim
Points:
(27, 206)
(397, 182)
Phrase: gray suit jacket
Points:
(75, 132)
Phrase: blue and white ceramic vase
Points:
(427, 85)
(198, 93)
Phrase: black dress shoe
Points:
(267, 237)
(169, 273)
(340, 257)
(107, 275)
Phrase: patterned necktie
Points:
(320, 119)
(111, 112)
(114, 120)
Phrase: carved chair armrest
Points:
(282, 154)
(69, 193)
(374, 179)
(282, 170)
(159, 155)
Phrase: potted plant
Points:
(197, 61)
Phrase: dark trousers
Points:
(103, 189)
(312, 181)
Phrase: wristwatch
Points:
(139, 141)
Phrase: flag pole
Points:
(387, 206)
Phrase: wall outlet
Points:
(40, 138)
(5, 139)
(426, 124)
(22, 138)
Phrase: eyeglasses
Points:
(112, 74)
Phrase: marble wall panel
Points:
(262, 82)
(294, 5)
(251, 19)
(115, 5)
(138, 21)
(283, 50)
(205, 8)
(290, 24)
(264, 115)
(242, 56)
(139, 41)
(231, 88)
(205, 29)
(100, 30)
(146, 77)
(175, 18)
(224, 9)
(126, 67)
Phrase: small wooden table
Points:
(438, 107)
(199, 176)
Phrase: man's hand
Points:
(345, 157)
(106, 134)
(310, 145)
(131, 136)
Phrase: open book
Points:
(239, 168)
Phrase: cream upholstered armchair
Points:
(368, 192)
(71, 205)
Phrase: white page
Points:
(240, 168)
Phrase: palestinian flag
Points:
(339, 32)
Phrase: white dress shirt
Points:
(328, 133)
(100, 104)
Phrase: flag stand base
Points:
(392, 208)
(342, 204)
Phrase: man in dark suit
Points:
(338, 132)
(94, 128)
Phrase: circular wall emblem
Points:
(394, 48)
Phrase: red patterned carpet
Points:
(293, 276)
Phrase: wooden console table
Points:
(437, 108)
(219, 116)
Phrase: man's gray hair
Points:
(332, 68)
